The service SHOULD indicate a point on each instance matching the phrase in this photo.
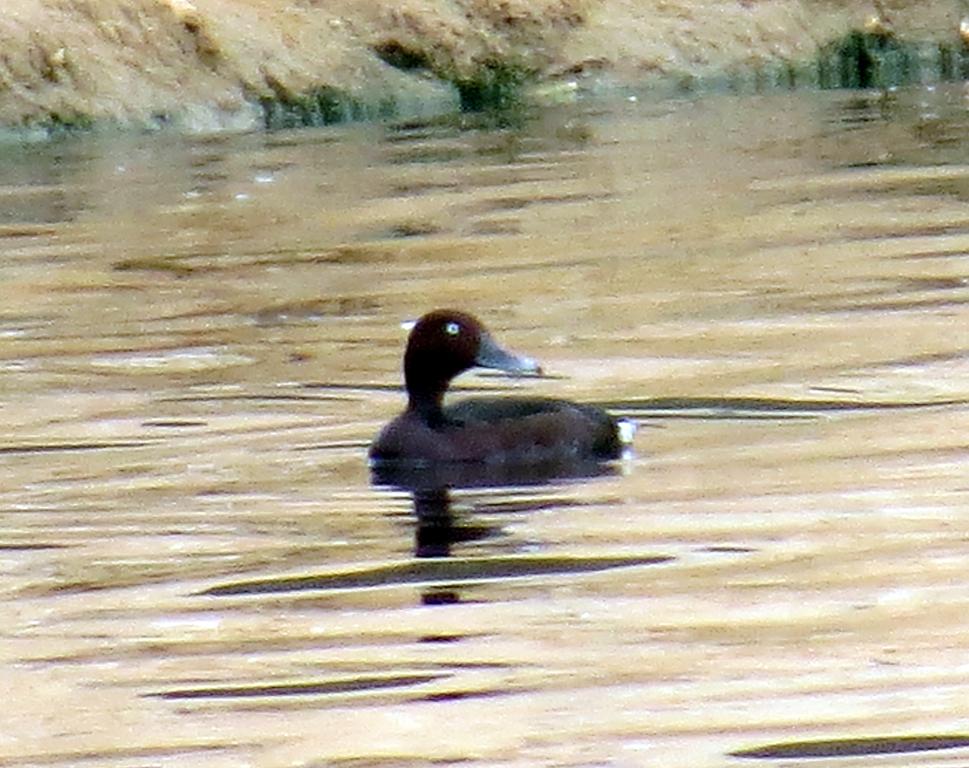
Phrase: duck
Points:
(490, 430)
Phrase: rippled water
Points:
(199, 337)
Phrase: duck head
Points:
(445, 343)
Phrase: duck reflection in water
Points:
(438, 527)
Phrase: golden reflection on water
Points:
(199, 336)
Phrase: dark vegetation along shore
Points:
(224, 64)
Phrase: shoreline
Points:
(210, 65)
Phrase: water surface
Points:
(200, 335)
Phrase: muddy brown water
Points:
(200, 335)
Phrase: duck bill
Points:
(490, 355)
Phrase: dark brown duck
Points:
(445, 343)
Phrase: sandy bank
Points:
(238, 63)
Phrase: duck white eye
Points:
(452, 329)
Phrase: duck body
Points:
(500, 430)
(490, 430)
